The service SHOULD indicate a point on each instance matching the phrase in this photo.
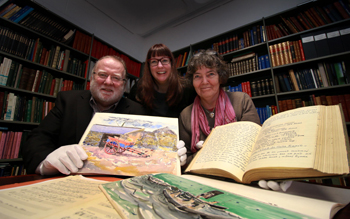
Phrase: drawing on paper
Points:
(130, 145)
(170, 196)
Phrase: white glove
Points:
(199, 144)
(65, 159)
(275, 185)
(181, 151)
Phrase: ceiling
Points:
(146, 17)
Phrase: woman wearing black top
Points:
(161, 89)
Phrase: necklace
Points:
(211, 114)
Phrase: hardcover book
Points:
(300, 143)
(130, 145)
(189, 196)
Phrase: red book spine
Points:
(301, 50)
(248, 88)
(52, 86)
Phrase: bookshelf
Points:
(41, 54)
(181, 57)
(100, 48)
(251, 55)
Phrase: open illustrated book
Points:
(300, 143)
(189, 196)
(130, 145)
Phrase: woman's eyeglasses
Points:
(154, 62)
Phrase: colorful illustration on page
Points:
(130, 145)
(170, 196)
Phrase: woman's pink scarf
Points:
(224, 114)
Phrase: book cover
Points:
(130, 145)
(11, 104)
(309, 47)
(345, 37)
(23, 14)
(321, 44)
(334, 41)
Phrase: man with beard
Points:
(52, 147)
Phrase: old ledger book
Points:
(300, 143)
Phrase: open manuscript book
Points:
(300, 143)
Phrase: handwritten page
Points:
(229, 147)
(285, 137)
(69, 197)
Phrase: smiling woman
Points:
(213, 106)
(161, 89)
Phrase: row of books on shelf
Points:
(266, 112)
(248, 63)
(100, 49)
(16, 107)
(37, 21)
(243, 87)
(10, 144)
(262, 87)
(325, 75)
(254, 88)
(310, 17)
(18, 44)
(182, 59)
(10, 169)
(249, 37)
(82, 41)
(14, 74)
(312, 45)
(286, 52)
(311, 100)
(14, 43)
(35, 51)
(16, 13)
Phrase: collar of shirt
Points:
(93, 105)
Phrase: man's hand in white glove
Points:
(65, 159)
(182, 150)
(275, 185)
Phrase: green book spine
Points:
(29, 110)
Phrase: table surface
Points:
(14, 181)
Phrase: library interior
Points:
(290, 59)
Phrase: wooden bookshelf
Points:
(41, 54)
(278, 44)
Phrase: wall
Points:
(222, 19)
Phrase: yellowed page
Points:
(313, 200)
(287, 139)
(55, 197)
(332, 144)
(228, 148)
